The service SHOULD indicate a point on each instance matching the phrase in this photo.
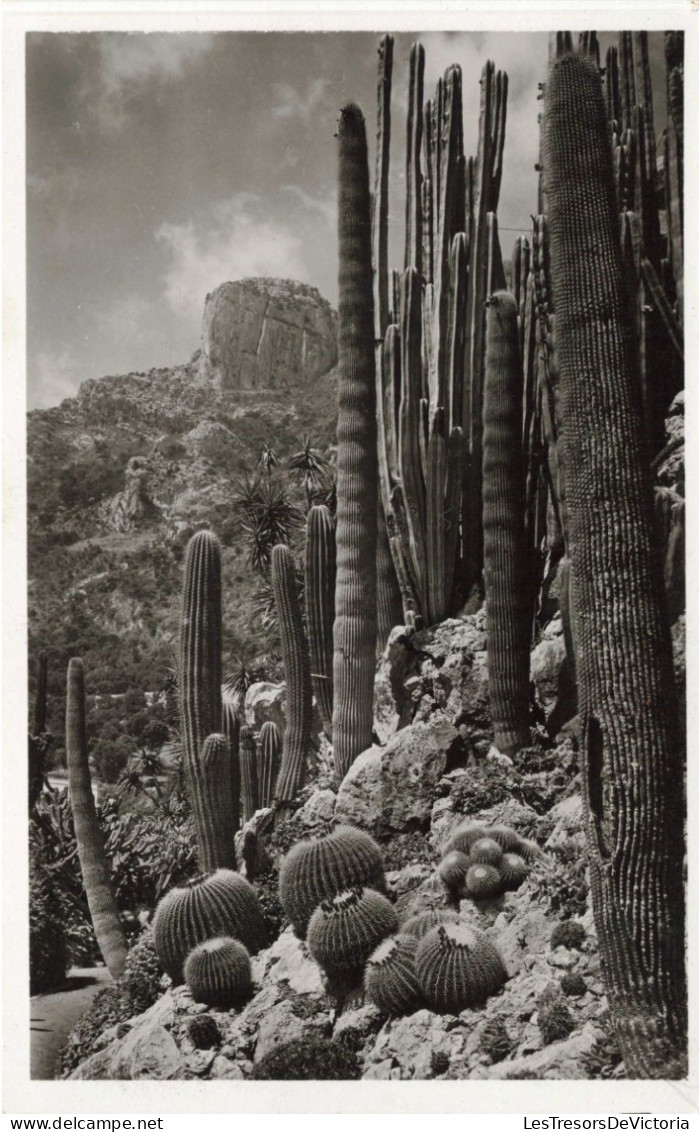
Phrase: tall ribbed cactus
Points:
(357, 468)
(297, 670)
(507, 578)
(231, 729)
(632, 761)
(88, 833)
(319, 585)
(249, 789)
(217, 850)
(268, 761)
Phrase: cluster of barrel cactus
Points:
(482, 862)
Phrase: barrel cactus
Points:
(421, 923)
(508, 839)
(483, 882)
(218, 972)
(452, 871)
(513, 869)
(464, 837)
(390, 980)
(220, 904)
(317, 869)
(485, 851)
(344, 931)
(457, 966)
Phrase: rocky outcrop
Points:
(133, 506)
(265, 333)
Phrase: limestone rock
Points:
(264, 333)
(287, 962)
(555, 1062)
(283, 1024)
(210, 440)
(392, 788)
(263, 702)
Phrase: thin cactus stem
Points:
(249, 789)
(297, 670)
(319, 588)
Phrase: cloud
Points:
(55, 377)
(292, 104)
(237, 239)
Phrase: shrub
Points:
(48, 956)
(573, 984)
(568, 934)
(310, 1058)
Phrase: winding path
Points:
(54, 1015)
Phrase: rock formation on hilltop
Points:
(265, 333)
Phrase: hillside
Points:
(121, 475)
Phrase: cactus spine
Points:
(507, 582)
(632, 761)
(357, 464)
(297, 669)
(88, 834)
(319, 585)
(268, 761)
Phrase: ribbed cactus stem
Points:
(94, 867)
(357, 465)
(200, 666)
(217, 845)
(249, 790)
(507, 583)
(268, 761)
(632, 770)
(319, 584)
(297, 670)
(231, 729)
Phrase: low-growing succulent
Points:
(390, 980)
(344, 931)
(568, 933)
(553, 1016)
(218, 972)
(457, 966)
(483, 882)
(310, 1058)
(318, 869)
(219, 904)
(513, 869)
(495, 1040)
(203, 1031)
(464, 837)
(452, 871)
(485, 851)
(573, 984)
(423, 922)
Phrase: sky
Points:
(160, 165)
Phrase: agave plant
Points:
(268, 459)
(311, 468)
(267, 515)
(245, 673)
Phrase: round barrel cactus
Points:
(390, 980)
(464, 837)
(452, 871)
(513, 869)
(483, 881)
(218, 972)
(485, 851)
(317, 869)
(344, 931)
(457, 966)
(219, 904)
(508, 840)
(423, 922)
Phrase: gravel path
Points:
(54, 1015)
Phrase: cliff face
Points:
(266, 334)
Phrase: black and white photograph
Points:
(352, 639)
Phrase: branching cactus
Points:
(390, 980)
(344, 931)
(221, 904)
(218, 972)
(357, 463)
(457, 967)
(217, 847)
(632, 768)
(317, 869)
(268, 761)
(319, 584)
(509, 594)
(249, 786)
(88, 834)
(297, 670)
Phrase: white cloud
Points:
(292, 104)
(237, 239)
(55, 377)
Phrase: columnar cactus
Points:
(249, 786)
(357, 466)
(200, 669)
(268, 761)
(319, 586)
(231, 729)
(632, 760)
(390, 980)
(317, 869)
(509, 594)
(218, 972)
(220, 904)
(217, 849)
(88, 834)
(297, 670)
(343, 932)
(457, 967)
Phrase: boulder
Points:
(284, 1023)
(287, 962)
(263, 702)
(392, 788)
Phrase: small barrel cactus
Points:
(203, 1031)
(529, 850)
(390, 980)
(218, 972)
(452, 871)
(317, 869)
(570, 934)
(483, 882)
(464, 837)
(508, 840)
(423, 922)
(513, 869)
(485, 851)
(573, 984)
(220, 904)
(457, 967)
(344, 931)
